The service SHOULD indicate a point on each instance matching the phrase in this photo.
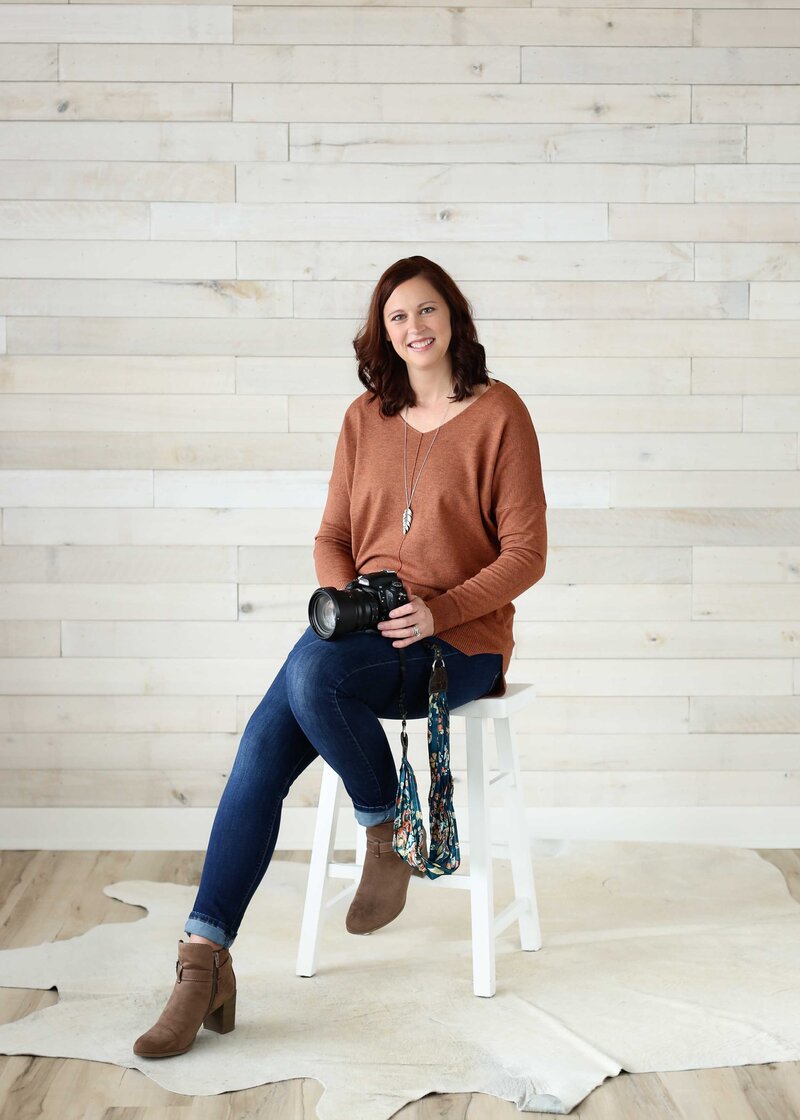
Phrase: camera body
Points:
(387, 589)
(360, 605)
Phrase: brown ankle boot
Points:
(381, 894)
(204, 992)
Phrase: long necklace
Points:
(407, 514)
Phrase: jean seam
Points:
(300, 766)
(375, 808)
(279, 802)
(201, 917)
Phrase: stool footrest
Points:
(344, 870)
(511, 913)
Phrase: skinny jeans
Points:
(327, 699)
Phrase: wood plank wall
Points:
(195, 202)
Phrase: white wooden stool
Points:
(479, 882)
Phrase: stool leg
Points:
(321, 856)
(480, 862)
(519, 842)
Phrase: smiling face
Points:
(414, 312)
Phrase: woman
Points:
(436, 476)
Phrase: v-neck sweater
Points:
(478, 535)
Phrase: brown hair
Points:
(380, 368)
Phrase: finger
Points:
(397, 623)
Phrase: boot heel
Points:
(223, 1019)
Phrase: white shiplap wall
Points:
(195, 202)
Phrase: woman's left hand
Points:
(402, 620)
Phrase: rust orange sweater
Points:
(478, 536)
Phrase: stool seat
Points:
(516, 698)
(479, 880)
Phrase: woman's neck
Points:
(431, 394)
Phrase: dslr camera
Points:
(360, 605)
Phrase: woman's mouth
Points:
(422, 344)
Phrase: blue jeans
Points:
(326, 700)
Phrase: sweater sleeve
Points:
(520, 507)
(333, 546)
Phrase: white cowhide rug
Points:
(654, 957)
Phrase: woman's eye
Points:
(395, 317)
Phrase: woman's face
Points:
(413, 312)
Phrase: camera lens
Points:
(333, 613)
(322, 614)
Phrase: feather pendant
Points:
(407, 515)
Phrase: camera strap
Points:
(408, 838)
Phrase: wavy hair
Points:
(381, 369)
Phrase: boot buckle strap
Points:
(380, 847)
(179, 966)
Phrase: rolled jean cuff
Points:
(211, 930)
(374, 816)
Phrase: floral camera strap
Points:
(444, 855)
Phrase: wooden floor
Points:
(56, 895)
